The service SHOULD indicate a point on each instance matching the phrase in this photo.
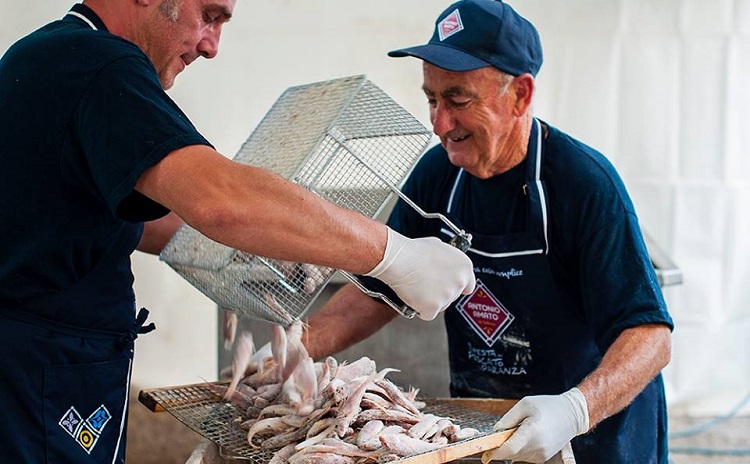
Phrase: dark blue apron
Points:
(66, 380)
(514, 335)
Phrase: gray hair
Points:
(171, 8)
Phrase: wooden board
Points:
(461, 449)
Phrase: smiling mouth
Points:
(458, 139)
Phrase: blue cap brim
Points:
(442, 56)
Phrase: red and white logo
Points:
(450, 25)
(485, 314)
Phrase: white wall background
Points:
(659, 87)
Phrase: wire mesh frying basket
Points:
(344, 139)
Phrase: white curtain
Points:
(660, 88)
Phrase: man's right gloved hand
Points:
(426, 273)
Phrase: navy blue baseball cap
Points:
(473, 34)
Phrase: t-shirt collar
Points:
(87, 15)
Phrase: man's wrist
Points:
(393, 247)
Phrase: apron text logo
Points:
(492, 362)
(509, 274)
(485, 314)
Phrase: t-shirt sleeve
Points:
(619, 286)
(124, 124)
(621, 290)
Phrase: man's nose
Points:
(442, 120)
(208, 46)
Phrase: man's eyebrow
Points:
(455, 91)
(225, 12)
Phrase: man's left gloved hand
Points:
(546, 423)
(426, 274)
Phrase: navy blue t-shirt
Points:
(601, 274)
(83, 115)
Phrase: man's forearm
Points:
(259, 212)
(633, 360)
(347, 318)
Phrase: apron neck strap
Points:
(534, 153)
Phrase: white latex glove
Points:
(427, 274)
(207, 452)
(565, 456)
(546, 424)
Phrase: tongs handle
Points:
(461, 240)
(403, 310)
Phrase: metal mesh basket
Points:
(344, 139)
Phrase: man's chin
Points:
(456, 159)
(167, 82)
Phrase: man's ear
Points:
(523, 86)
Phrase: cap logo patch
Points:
(450, 25)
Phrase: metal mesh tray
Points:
(210, 416)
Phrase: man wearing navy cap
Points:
(567, 313)
(93, 148)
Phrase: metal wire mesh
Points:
(207, 414)
(344, 139)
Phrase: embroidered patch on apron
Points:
(85, 433)
(485, 314)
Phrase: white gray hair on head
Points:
(171, 8)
